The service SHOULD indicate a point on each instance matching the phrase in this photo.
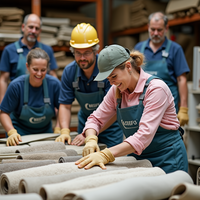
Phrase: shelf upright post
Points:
(99, 21)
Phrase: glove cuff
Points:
(183, 109)
(11, 132)
(90, 138)
(108, 155)
(57, 130)
(65, 131)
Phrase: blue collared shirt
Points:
(176, 62)
(9, 58)
(67, 94)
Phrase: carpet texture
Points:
(9, 181)
(49, 146)
(185, 191)
(41, 156)
(59, 190)
(33, 184)
(7, 167)
(69, 159)
(137, 188)
(11, 149)
(21, 197)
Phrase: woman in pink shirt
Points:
(145, 110)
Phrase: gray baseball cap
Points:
(109, 58)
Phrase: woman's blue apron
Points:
(88, 103)
(159, 68)
(34, 120)
(21, 66)
(166, 150)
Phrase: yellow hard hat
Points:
(83, 36)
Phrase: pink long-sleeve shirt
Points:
(159, 110)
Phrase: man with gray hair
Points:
(13, 59)
(78, 82)
(165, 59)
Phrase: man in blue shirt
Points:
(13, 59)
(78, 82)
(166, 60)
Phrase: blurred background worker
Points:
(30, 100)
(165, 59)
(78, 82)
(13, 59)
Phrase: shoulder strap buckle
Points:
(100, 84)
(47, 100)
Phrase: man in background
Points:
(165, 59)
(13, 59)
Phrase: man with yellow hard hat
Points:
(78, 82)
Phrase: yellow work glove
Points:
(183, 116)
(64, 135)
(13, 138)
(98, 158)
(90, 145)
(56, 130)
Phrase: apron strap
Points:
(100, 84)
(46, 92)
(40, 45)
(143, 46)
(18, 48)
(45, 89)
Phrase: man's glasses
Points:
(86, 54)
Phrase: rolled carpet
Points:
(4, 161)
(46, 146)
(41, 156)
(137, 188)
(185, 191)
(33, 184)
(69, 159)
(7, 167)
(31, 196)
(59, 190)
(11, 149)
(9, 181)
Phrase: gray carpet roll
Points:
(9, 181)
(41, 156)
(137, 188)
(31, 196)
(185, 191)
(11, 149)
(4, 161)
(59, 190)
(25, 165)
(69, 159)
(33, 184)
(49, 146)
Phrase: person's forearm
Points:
(122, 149)
(183, 91)
(64, 116)
(3, 88)
(6, 121)
(57, 120)
(90, 131)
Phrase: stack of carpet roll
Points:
(62, 61)
(56, 31)
(10, 24)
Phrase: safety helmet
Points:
(83, 36)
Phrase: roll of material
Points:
(7, 167)
(185, 191)
(59, 190)
(69, 159)
(41, 156)
(31, 196)
(137, 188)
(9, 181)
(33, 184)
(4, 161)
(46, 146)
(11, 149)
